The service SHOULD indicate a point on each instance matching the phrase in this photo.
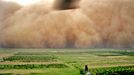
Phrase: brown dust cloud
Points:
(86, 24)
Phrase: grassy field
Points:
(63, 61)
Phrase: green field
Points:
(66, 61)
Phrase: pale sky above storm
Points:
(26, 2)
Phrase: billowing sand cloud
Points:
(105, 23)
(7, 9)
(114, 21)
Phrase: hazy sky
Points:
(24, 2)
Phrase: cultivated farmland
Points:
(66, 61)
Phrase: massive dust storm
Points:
(82, 24)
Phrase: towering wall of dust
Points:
(114, 21)
(105, 23)
(6, 10)
(66, 4)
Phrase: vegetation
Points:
(32, 66)
(120, 70)
(66, 61)
(30, 58)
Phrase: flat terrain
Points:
(61, 61)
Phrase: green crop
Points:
(33, 66)
(30, 58)
(121, 70)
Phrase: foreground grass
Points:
(68, 61)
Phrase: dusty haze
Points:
(95, 23)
